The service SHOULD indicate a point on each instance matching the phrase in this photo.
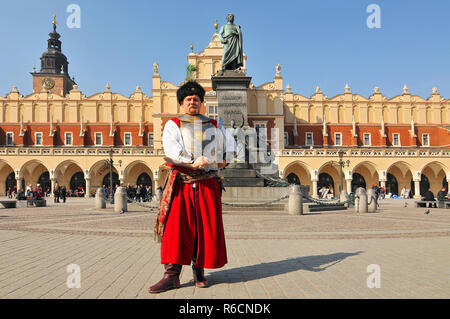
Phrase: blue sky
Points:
(325, 43)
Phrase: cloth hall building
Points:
(58, 134)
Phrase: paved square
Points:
(270, 254)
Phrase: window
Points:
(68, 138)
(212, 111)
(260, 128)
(9, 138)
(396, 139)
(261, 133)
(38, 138)
(366, 139)
(150, 139)
(309, 139)
(127, 139)
(286, 138)
(338, 139)
(425, 140)
(98, 138)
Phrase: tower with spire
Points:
(54, 73)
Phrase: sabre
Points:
(217, 143)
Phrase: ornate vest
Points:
(201, 137)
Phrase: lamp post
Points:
(341, 165)
(111, 163)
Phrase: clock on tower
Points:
(54, 73)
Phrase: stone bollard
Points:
(156, 198)
(100, 199)
(372, 200)
(120, 200)
(356, 196)
(343, 197)
(361, 201)
(295, 202)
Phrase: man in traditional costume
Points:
(189, 223)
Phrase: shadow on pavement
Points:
(258, 271)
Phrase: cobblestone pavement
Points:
(270, 254)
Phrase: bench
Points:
(36, 202)
(424, 203)
(9, 203)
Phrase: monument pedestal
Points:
(231, 88)
(243, 184)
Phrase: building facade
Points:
(58, 134)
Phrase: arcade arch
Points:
(64, 175)
(107, 180)
(77, 181)
(301, 171)
(292, 178)
(401, 176)
(6, 174)
(358, 181)
(329, 176)
(435, 173)
(33, 171)
(326, 181)
(366, 174)
(98, 171)
(135, 174)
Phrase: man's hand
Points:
(200, 162)
(222, 165)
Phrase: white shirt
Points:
(174, 147)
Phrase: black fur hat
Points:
(188, 89)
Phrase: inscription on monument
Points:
(232, 105)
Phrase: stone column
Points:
(348, 180)
(155, 188)
(417, 176)
(417, 188)
(349, 185)
(314, 190)
(122, 177)
(382, 178)
(87, 178)
(314, 180)
(88, 188)
(18, 183)
(18, 175)
(155, 180)
(53, 181)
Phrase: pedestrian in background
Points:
(63, 193)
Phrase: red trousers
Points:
(195, 216)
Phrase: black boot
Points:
(170, 280)
(199, 273)
(199, 277)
